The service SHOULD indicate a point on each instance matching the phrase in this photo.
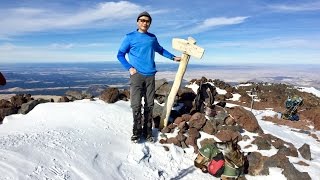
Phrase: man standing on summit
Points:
(140, 45)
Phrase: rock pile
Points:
(227, 124)
(22, 104)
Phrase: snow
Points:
(297, 139)
(193, 86)
(91, 140)
(235, 97)
(247, 84)
(221, 91)
(311, 90)
(85, 140)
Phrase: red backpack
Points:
(210, 159)
(216, 167)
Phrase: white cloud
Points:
(75, 45)
(70, 52)
(206, 25)
(302, 43)
(298, 7)
(210, 23)
(7, 47)
(104, 11)
(54, 56)
(23, 20)
(221, 21)
(62, 46)
(272, 57)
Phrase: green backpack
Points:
(210, 159)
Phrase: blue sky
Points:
(231, 32)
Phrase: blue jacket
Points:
(141, 48)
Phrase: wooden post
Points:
(188, 48)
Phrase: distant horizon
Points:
(199, 62)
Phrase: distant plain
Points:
(57, 78)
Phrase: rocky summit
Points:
(222, 111)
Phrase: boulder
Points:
(6, 109)
(76, 95)
(197, 120)
(110, 95)
(64, 99)
(124, 95)
(228, 135)
(210, 127)
(262, 143)
(305, 151)
(245, 118)
(27, 107)
(95, 90)
(289, 171)
(256, 164)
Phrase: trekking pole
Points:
(251, 103)
(253, 94)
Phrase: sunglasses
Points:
(144, 20)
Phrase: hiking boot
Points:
(150, 138)
(135, 138)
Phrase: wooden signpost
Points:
(188, 48)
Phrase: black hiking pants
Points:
(142, 86)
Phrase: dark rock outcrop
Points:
(110, 95)
(245, 119)
(6, 109)
(75, 95)
(197, 120)
(305, 151)
(27, 107)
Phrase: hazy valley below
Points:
(56, 79)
